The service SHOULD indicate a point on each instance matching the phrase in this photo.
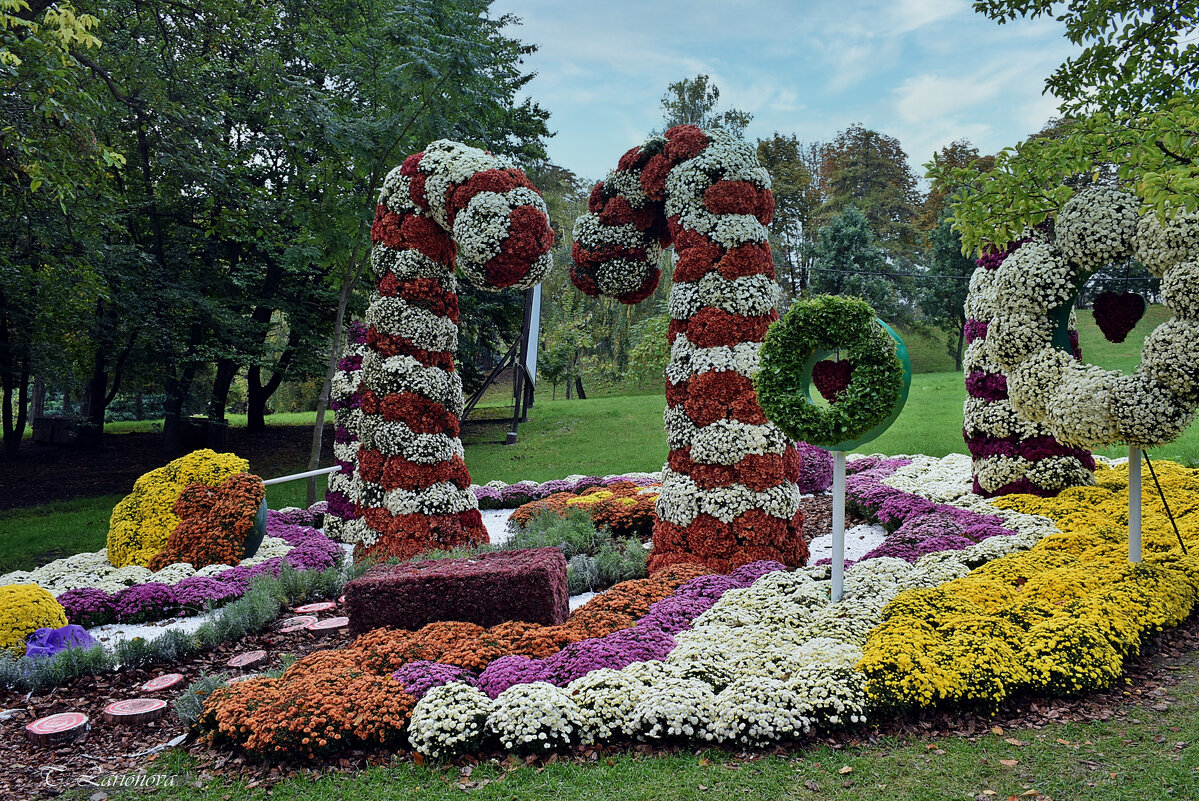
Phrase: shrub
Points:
(25, 608)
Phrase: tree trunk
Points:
(260, 393)
(225, 371)
(37, 405)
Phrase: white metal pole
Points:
(1134, 504)
(284, 479)
(838, 523)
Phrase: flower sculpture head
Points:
(728, 491)
(1081, 405)
(448, 206)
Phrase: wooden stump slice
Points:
(341, 600)
(54, 729)
(135, 710)
(330, 625)
(316, 608)
(247, 659)
(296, 623)
(164, 682)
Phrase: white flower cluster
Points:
(448, 720)
(1096, 227)
(410, 264)
(443, 498)
(687, 500)
(607, 698)
(405, 374)
(94, 570)
(723, 441)
(397, 439)
(1160, 245)
(758, 709)
(675, 708)
(398, 317)
(751, 295)
(447, 164)
(688, 359)
(1079, 404)
(535, 717)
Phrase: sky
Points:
(926, 72)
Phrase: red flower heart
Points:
(832, 378)
(1116, 315)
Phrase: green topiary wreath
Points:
(810, 332)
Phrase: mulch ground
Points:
(42, 473)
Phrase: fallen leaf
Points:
(844, 770)
(1014, 741)
(997, 730)
(1009, 763)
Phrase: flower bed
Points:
(1059, 619)
(762, 655)
(623, 506)
(499, 495)
(94, 593)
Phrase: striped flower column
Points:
(1011, 453)
(346, 403)
(728, 490)
(449, 204)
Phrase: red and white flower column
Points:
(450, 203)
(346, 403)
(728, 491)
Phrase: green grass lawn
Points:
(1145, 757)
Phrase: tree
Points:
(1131, 95)
(849, 262)
(869, 170)
(796, 202)
(960, 153)
(1137, 54)
(943, 294)
(693, 101)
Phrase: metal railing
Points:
(297, 476)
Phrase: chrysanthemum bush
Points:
(625, 507)
(1057, 619)
(448, 207)
(24, 609)
(450, 719)
(728, 491)
(142, 522)
(214, 523)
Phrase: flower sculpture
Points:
(450, 204)
(1011, 452)
(728, 489)
(1082, 405)
(867, 394)
(144, 519)
(214, 523)
(346, 403)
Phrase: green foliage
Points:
(189, 704)
(828, 323)
(869, 170)
(693, 101)
(1136, 54)
(849, 262)
(1155, 153)
(943, 294)
(797, 201)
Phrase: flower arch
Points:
(449, 205)
(728, 490)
